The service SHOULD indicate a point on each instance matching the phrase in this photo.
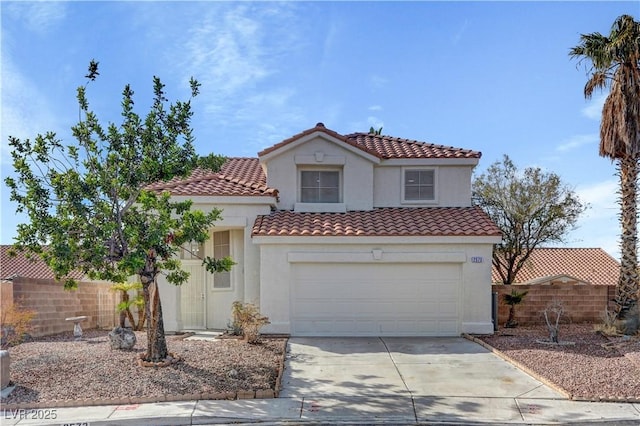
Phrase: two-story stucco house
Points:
(342, 235)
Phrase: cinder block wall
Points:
(53, 304)
(6, 293)
(583, 303)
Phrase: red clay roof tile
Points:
(19, 265)
(592, 265)
(237, 177)
(392, 221)
(384, 147)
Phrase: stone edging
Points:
(240, 394)
(545, 380)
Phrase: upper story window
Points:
(419, 185)
(319, 186)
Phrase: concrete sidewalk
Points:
(344, 410)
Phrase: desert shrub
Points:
(608, 324)
(15, 324)
(552, 315)
(248, 320)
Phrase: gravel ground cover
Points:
(59, 369)
(594, 367)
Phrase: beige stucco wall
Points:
(367, 181)
(275, 272)
(238, 216)
(453, 186)
(357, 172)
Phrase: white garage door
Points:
(347, 299)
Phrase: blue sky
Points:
(490, 76)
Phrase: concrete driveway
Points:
(407, 380)
(396, 366)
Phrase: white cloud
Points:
(235, 51)
(377, 81)
(25, 110)
(458, 35)
(577, 141)
(601, 196)
(375, 108)
(38, 16)
(598, 226)
(594, 109)
(228, 52)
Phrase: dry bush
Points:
(247, 319)
(608, 325)
(15, 324)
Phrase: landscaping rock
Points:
(122, 338)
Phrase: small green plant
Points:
(15, 324)
(513, 299)
(248, 320)
(233, 328)
(127, 302)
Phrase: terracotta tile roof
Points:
(21, 265)
(387, 147)
(392, 221)
(592, 265)
(237, 177)
(384, 147)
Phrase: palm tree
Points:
(615, 64)
(513, 299)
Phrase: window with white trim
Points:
(192, 251)
(320, 186)
(419, 185)
(221, 249)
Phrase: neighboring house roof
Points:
(391, 221)
(384, 147)
(592, 265)
(237, 177)
(19, 265)
(557, 279)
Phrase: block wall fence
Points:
(52, 304)
(583, 303)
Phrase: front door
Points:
(193, 296)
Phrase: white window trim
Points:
(319, 169)
(213, 276)
(435, 185)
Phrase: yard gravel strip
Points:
(595, 367)
(58, 370)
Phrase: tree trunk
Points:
(511, 321)
(626, 297)
(156, 342)
(160, 350)
(126, 313)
